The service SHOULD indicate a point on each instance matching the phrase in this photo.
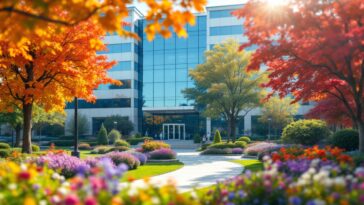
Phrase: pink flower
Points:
(90, 201)
(71, 200)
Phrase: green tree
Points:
(113, 136)
(82, 124)
(224, 87)
(280, 111)
(102, 136)
(217, 137)
(41, 118)
(120, 123)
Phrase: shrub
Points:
(244, 139)
(101, 150)
(138, 135)
(35, 148)
(196, 138)
(67, 165)
(163, 153)
(4, 145)
(217, 137)
(237, 150)
(121, 143)
(125, 158)
(241, 144)
(4, 153)
(204, 146)
(255, 149)
(347, 139)
(141, 157)
(84, 146)
(114, 136)
(217, 151)
(223, 145)
(149, 146)
(120, 148)
(135, 141)
(305, 132)
(102, 136)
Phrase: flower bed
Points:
(150, 145)
(162, 153)
(124, 158)
(257, 148)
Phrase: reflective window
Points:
(147, 45)
(181, 42)
(201, 20)
(122, 66)
(148, 91)
(226, 30)
(117, 48)
(159, 57)
(181, 56)
(148, 58)
(158, 75)
(221, 13)
(170, 89)
(170, 57)
(148, 76)
(126, 84)
(170, 75)
(193, 55)
(158, 90)
(202, 39)
(192, 40)
(102, 103)
(201, 55)
(170, 43)
(158, 43)
(181, 74)
(170, 103)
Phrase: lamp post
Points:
(75, 152)
(115, 124)
(269, 122)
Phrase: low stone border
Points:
(161, 160)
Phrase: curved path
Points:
(200, 170)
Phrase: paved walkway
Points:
(200, 170)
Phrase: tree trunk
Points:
(27, 129)
(233, 129)
(361, 136)
(17, 135)
(229, 130)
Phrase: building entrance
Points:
(174, 131)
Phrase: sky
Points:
(142, 7)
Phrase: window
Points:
(159, 57)
(126, 84)
(170, 90)
(147, 45)
(102, 103)
(226, 30)
(117, 48)
(192, 40)
(158, 90)
(221, 14)
(181, 56)
(201, 20)
(148, 76)
(202, 39)
(181, 74)
(122, 66)
(170, 43)
(170, 57)
(148, 58)
(148, 91)
(169, 76)
(181, 42)
(158, 43)
(158, 75)
(193, 55)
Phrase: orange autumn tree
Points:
(50, 68)
(22, 18)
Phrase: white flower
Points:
(12, 186)
(43, 202)
(328, 182)
(339, 181)
(63, 191)
(193, 195)
(56, 199)
(132, 191)
(155, 200)
(319, 202)
(23, 167)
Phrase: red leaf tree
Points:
(313, 50)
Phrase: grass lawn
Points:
(151, 169)
(250, 164)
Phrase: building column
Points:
(208, 128)
(248, 125)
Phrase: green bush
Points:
(244, 139)
(119, 148)
(4, 153)
(223, 145)
(4, 145)
(35, 148)
(101, 150)
(135, 141)
(102, 136)
(84, 146)
(347, 139)
(216, 151)
(217, 137)
(196, 138)
(121, 143)
(305, 132)
(241, 144)
(114, 136)
(138, 135)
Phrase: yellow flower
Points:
(29, 201)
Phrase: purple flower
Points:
(294, 200)
(163, 153)
(141, 157)
(124, 158)
(237, 150)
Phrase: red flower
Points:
(24, 175)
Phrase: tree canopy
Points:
(224, 86)
(313, 50)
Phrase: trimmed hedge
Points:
(135, 141)
(101, 150)
(121, 143)
(305, 132)
(4, 145)
(35, 148)
(223, 145)
(84, 146)
(347, 139)
(244, 139)
(149, 146)
(217, 137)
(216, 151)
(4, 153)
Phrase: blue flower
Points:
(295, 200)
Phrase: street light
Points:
(269, 122)
(75, 152)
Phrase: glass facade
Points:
(166, 63)
(117, 48)
(221, 13)
(226, 30)
(102, 103)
